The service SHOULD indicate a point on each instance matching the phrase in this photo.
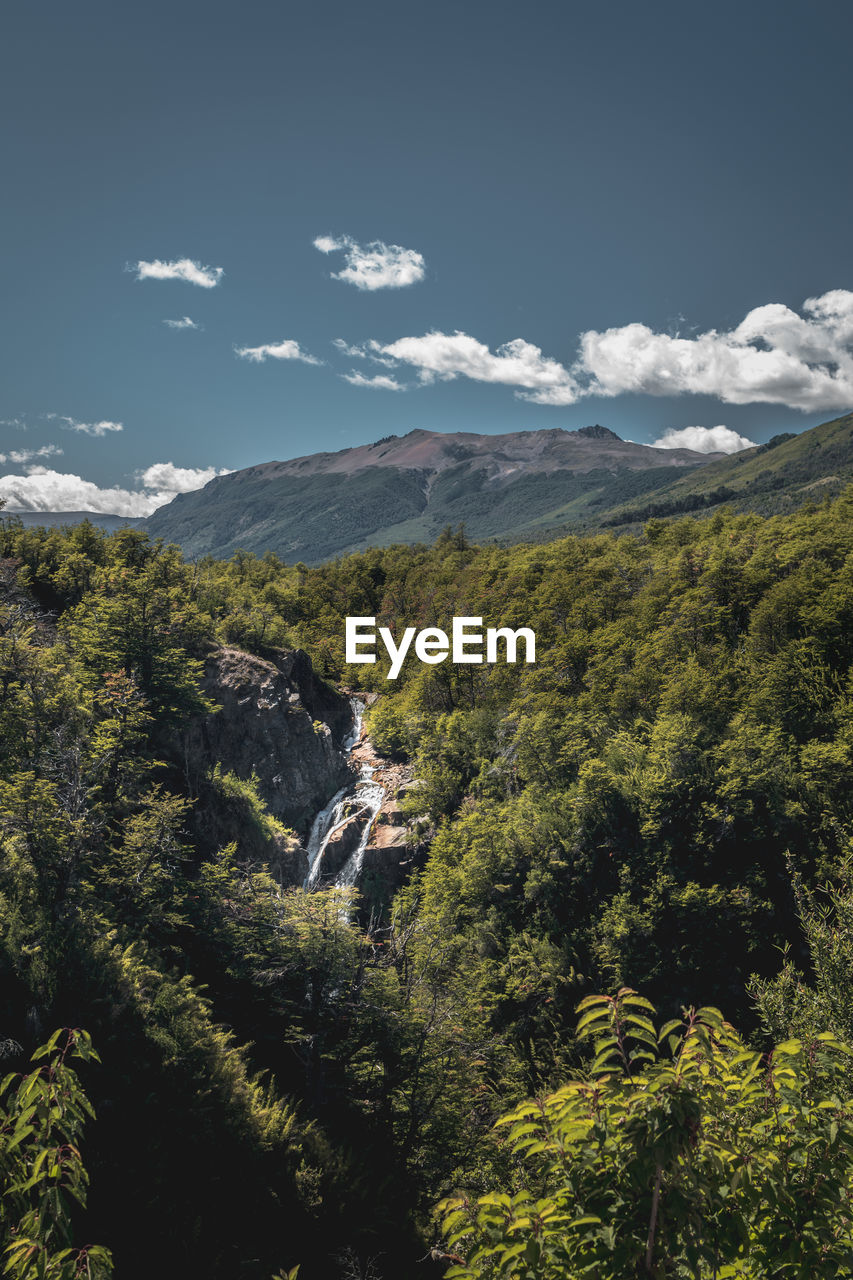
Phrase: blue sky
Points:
(633, 215)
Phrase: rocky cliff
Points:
(276, 723)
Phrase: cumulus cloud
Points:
(380, 382)
(20, 456)
(703, 440)
(180, 269)
(376, 265)
(184, 323)
(517, 364)
(41, 489)
(774, 356)
(165, 477)
(85, 428)
(287, 349)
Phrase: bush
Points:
(684, 1154)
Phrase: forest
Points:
(602, 1029)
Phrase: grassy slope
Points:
(775, 477)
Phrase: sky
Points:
(237, 232)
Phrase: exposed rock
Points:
(278, 721)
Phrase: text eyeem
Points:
(433, 645)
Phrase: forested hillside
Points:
(663, 801)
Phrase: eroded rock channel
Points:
(361, 836)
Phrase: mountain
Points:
(514, 487)
(58, 518)
(407, 488)
(770, 479)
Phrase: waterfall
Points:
(364, 796)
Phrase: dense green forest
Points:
(662, 803)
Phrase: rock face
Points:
(277, 720)
(390, 850)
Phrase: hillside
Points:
(58, 519)
(770, 479)
(406, 489)
(515, 487)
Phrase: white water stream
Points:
(364, 796)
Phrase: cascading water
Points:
(363, 797)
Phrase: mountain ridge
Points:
(406, 488)
(518, 486)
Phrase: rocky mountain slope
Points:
(406, 489)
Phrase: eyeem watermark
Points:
(432, 645)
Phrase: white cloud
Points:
(354, 351)
(774, 356)
(180, 269)
(380, 381)
(184, 323)
(703, 440)
(44, 490)
(517, 364)
(287, 349)
(20, 456)
(167, 478)
(376, 265)
(371, 350)
(85, 428)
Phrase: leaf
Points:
(674, 1024)
(589, 1001)
(788, 1048)
(640, 1001)
(595, 1016)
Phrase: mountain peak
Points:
(597, 433)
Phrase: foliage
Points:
(684, 1154)
(42, 1115)
(796, 1002)
(243, 793)
(669, 784)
